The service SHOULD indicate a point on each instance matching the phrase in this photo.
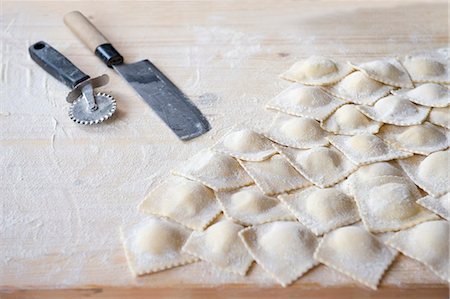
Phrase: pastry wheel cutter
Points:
(87, 107)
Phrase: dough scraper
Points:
(87, 107)
(169, 102)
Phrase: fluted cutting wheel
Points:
(80, 113)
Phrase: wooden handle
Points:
(85, 30)
(92, 38)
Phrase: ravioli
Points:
(184, 201)
(429, 173)
(215, 170)
(369, 171)
(284, 249)
(440, 117)
(249, 206)
(427, 243)
(359, 89)
(321, 210)
(298, 132)
(396, 111)
(275, 175)
(355, 252)
(316, 70)
(323, 166)
(246, 145)
(347, 120)
(427, 67)
(307, 101)
(388, 71)
(154, 245)
(220, 246)
(428, 94)
(388, 203)
(421, 139)
(438, 205)
(366, 148)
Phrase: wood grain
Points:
(66, 189)
(236, 292)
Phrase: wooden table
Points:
(65, 189)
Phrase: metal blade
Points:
(171, 105)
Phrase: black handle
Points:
(109, 55)
(56, 64)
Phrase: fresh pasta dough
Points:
(427, 243)
(396, 111)
(439, 205)
(421, 139)
(246, 145)
(298, 132)
(321, 210)
(220, 246)
(427, 67)
(275, 175)
(215, 170)
(369, 171)
(307, 101)
(430, 173)
(388, 71)
(366, 148)
(184, 201)
(323, 166)
(249, 206)
(348, 120)
(440, 117)
(347, 143)
(316, 70)
(284, 249)
(358, 88)
(428, 94)
(388, 203)
(154, 245)
(354, 252)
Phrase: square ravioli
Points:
(427, 67)
(184, 201)
(284, 249)
(359, 89)
(323, 166)
(366, 148)
(388, 71)
(428, 94)
(275, 175)
(427, 243)
(395, 110)
(388, 203)
(249, 206)
(348, 120)
(246, 145)
(154, 245)
(307, 101)
(421, 139)
(294, 131)
(369, 171)
(215, 170)
(355, 252)
(429, 173)
(220, 246)
(321, 210)
(317, 70)
(440, 117)
(438, 205)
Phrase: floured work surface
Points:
(67, 188)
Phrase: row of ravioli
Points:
(291, 196)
